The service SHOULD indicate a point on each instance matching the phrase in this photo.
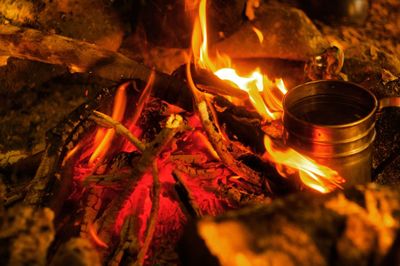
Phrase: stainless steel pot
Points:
(333, 122)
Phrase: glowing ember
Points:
(313, 175)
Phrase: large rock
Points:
(288, 34)
(359, 226)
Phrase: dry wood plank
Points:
(78, 56)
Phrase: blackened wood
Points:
(64, 136)
(240, 124)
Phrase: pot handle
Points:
(389, 102)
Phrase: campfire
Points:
(183, 145)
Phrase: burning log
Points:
(277, 32)
(79, 56)
(151, 227)
(219, 144)
(355, 227)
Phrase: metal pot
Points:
(333, 122)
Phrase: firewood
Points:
(61, 138)
(151, 225)
(79, 56)
(215, 138)
(106, 221)
(105, 120)
(353, 227)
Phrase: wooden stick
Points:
(216, 139)
(105, 120)
(153, 216)
(80, 56)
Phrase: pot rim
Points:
(286, 111)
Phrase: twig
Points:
(153, 216)
(106, 121)
(216, 139)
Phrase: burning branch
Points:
(106, 121)
(216, 139)
(153, 216)
(173, 125)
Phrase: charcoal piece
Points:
(288, 34)
(25, 235)
(353, 227)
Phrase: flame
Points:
(104, 137)
(71, 153)
(96, 238)
(255, 84)
(266, 97)
(259, 34)
(312, 174)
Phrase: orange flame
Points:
(256, 84)
(104, 137)
(96, 238)
(71, 153)
(259, 34)
(266, 97)
(312, 174)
